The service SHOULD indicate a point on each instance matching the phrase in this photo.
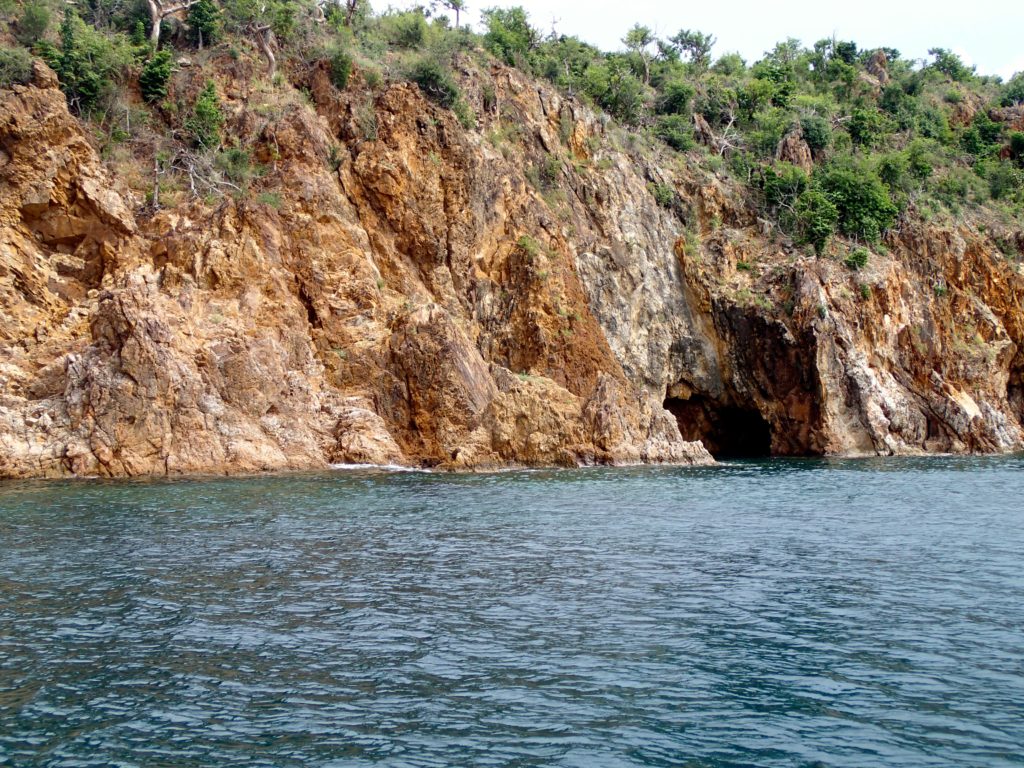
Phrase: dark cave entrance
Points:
(728, 431)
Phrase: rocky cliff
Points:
(407, 290)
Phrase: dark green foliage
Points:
(1013, 92)
(949, 64)
(859, 196)
(730, 65)
(1005, 182)
(694, 46)
(868, 127)
(675, 98)
(717, 101)
(204, 22)
(436, 82)
(857, 258)
(1017, 147)
(959, 186)
(33, 23)
(15, 67)
(341, 68)
(87, 61)
(983, 137)
(676, 131)
(816, 219)
(932, 123)
(236, 164)
(817, 132)
(550, 172)
(899, 105)
(206, 120)
(845, 51)
(154, 76)
(614, 87)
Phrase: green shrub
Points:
(405, 30)
(959, 186)
(1004, 181)
(204, 22)
(983, 137)
(951, 65)
(436, 82)
(341, 69)
(816, 219)
(154, 77)
(782, 184)
(868, 127)
(857, 258)
(616, 89)
(1013, 92)
(676, 131)
(33, 23)
(663, 194)
(206, 120)
(859, 196)
(15, 67)
(1017, 145)
(509, 35)
(817, 132)
(236, 164)
(675, 98)
(87, 61)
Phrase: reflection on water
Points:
(786, 613)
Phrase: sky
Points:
(985, 33)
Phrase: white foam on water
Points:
(381, 467)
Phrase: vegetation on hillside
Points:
(829, 140)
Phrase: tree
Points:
(696, 46)
(15, 67)
(264, 21)
(509, 35)
(154, 76)
(868, 127)
(32, 24)
(1014, 91)
(816, 219)
(454, 5)
(859, 196)
(638, 40)
(86, 61)
(949, 64)
(161, 9)
(204, 22)
(205, 122)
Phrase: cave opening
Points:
(727, 431)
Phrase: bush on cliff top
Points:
(15, 67)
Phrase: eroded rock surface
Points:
(422, 294)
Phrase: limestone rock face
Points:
(423, 294)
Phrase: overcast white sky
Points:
(988, 33)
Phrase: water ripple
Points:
(815, 613)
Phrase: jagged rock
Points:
(878, 66)
(415, 300)
(793, 149)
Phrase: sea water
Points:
(776, 613)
